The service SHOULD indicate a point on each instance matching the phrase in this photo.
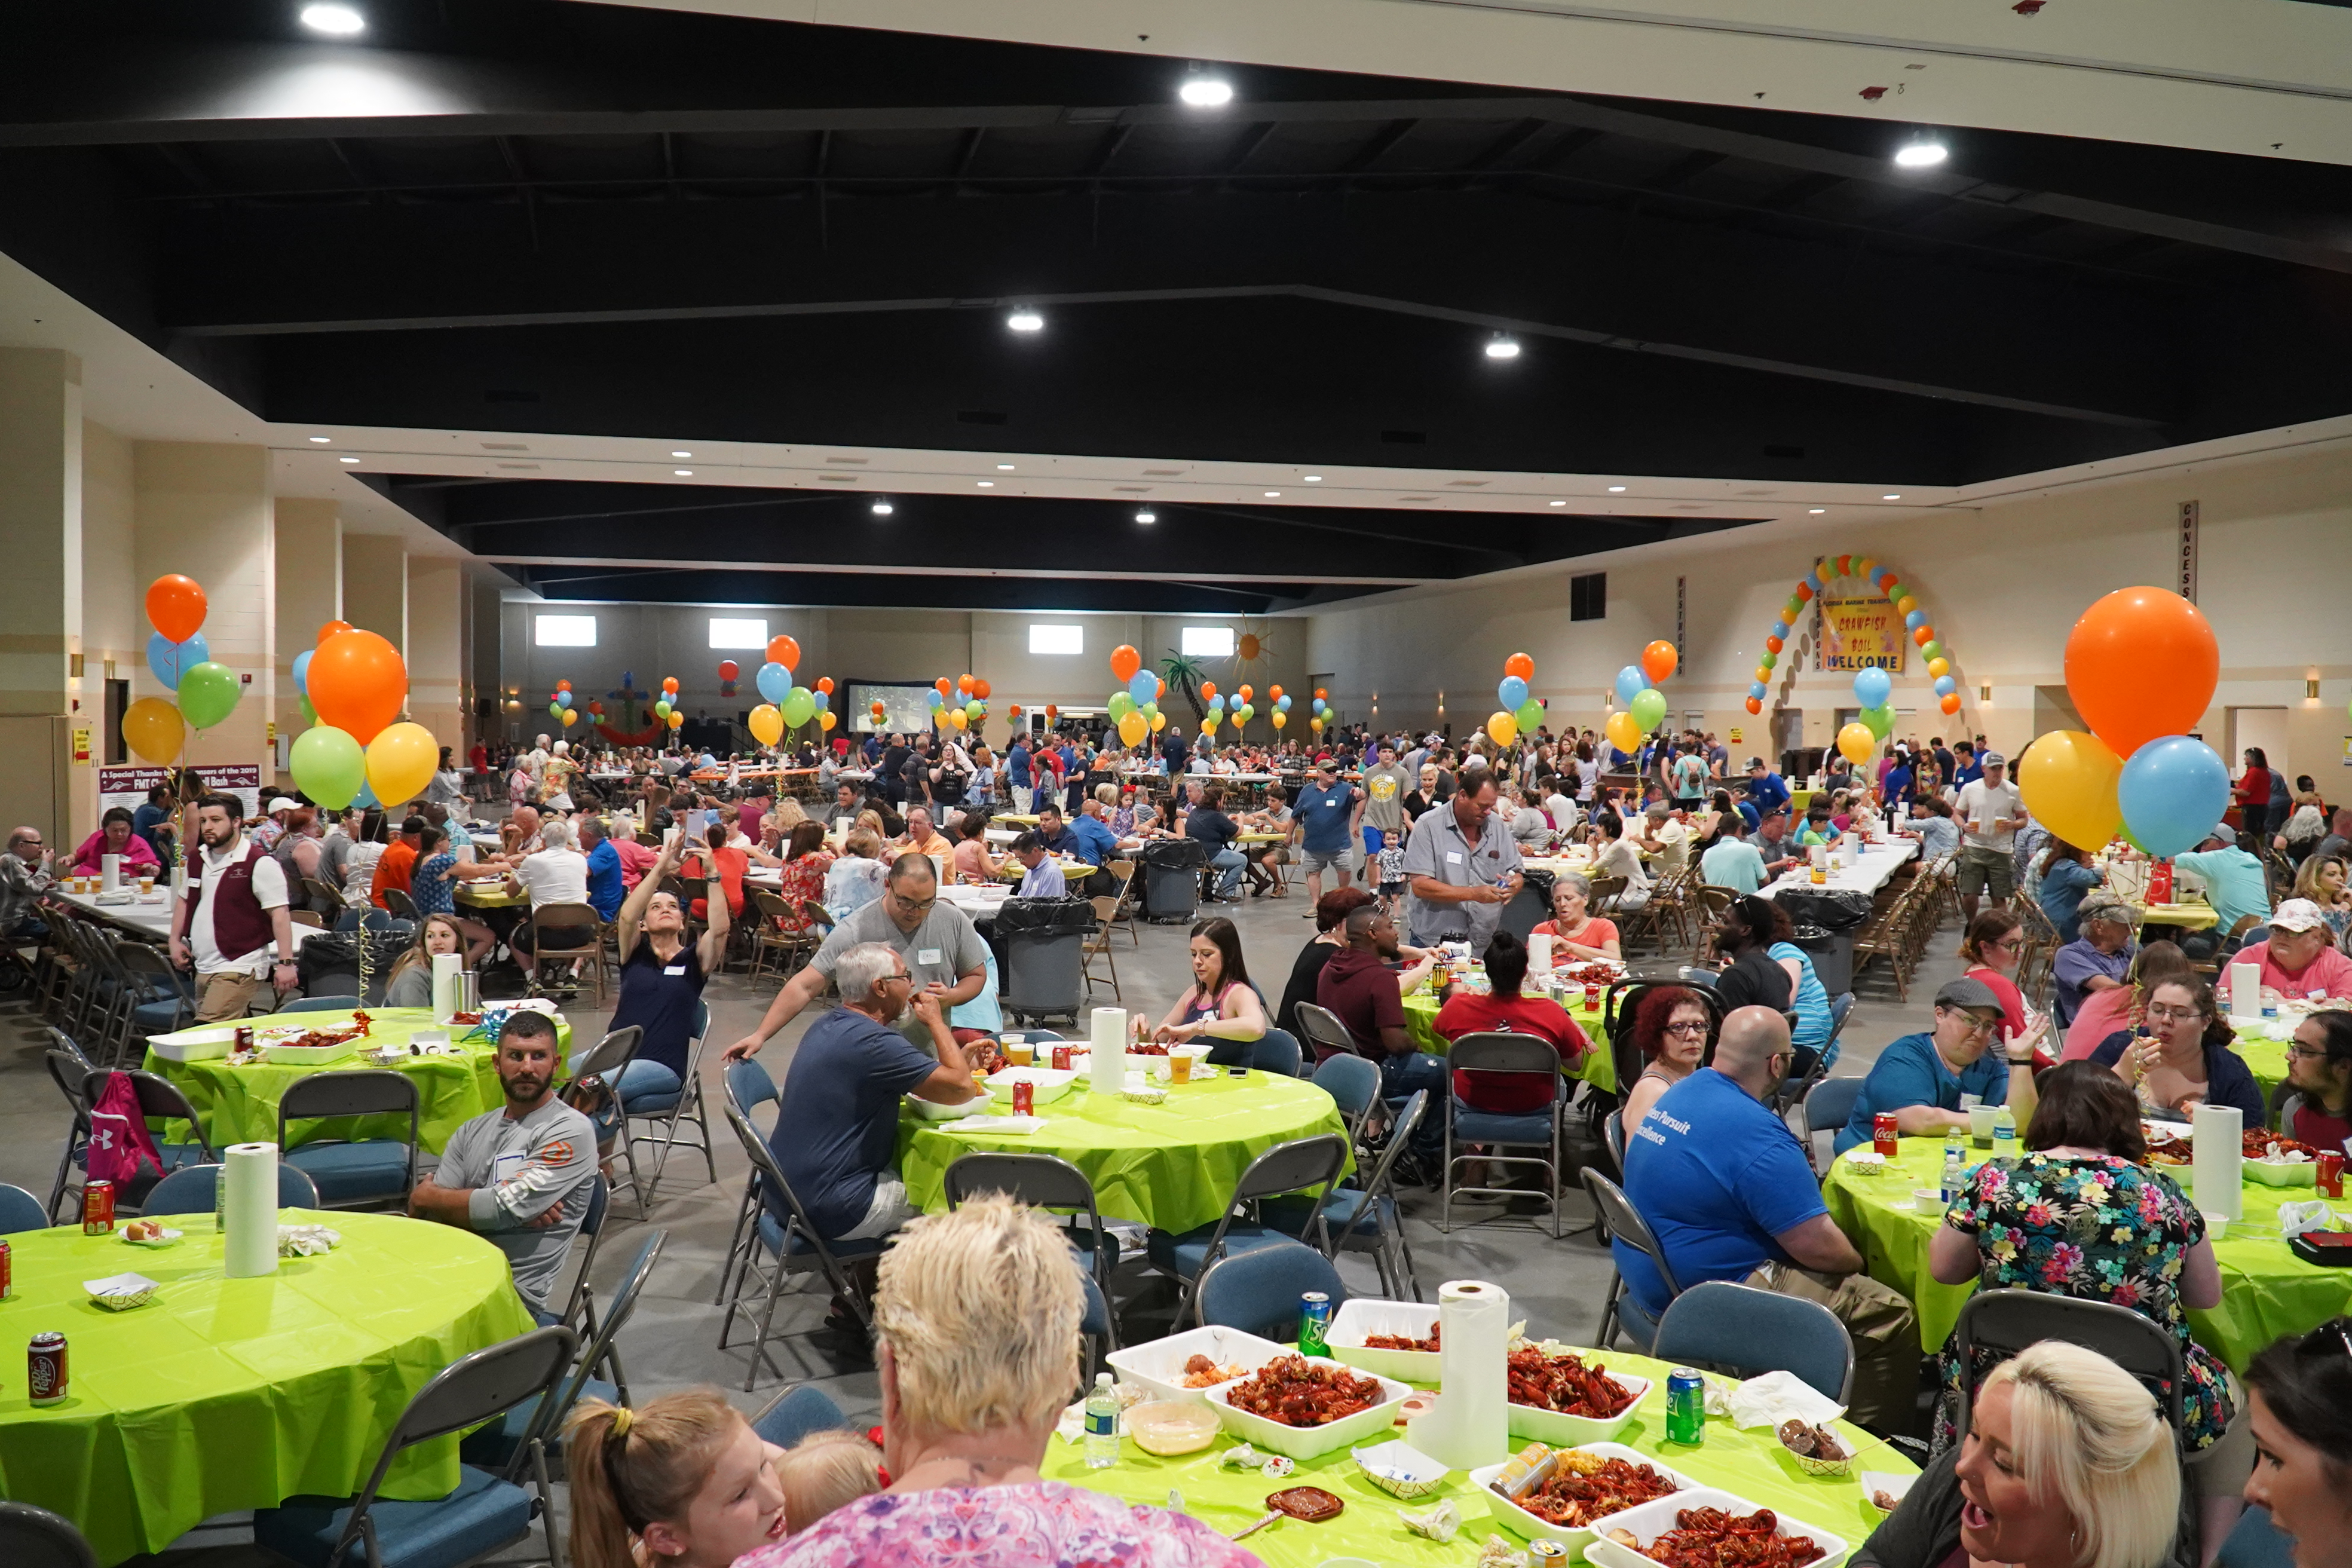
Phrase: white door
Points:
(2264, 727)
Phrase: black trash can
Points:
(1532, 907)
(1827, 921)
(1171, 869)
(1042, 949)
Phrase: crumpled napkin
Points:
(306, 1240)
(1015, 1124)
(1778, 1397)
(2293, 1219)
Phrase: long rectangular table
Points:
(1872, 870)
(148, 917)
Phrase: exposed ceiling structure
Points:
(587, 221)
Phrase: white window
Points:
(565, 631)
(1057, 640)
(1208, 642)
(733, 634)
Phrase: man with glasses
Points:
(1921, 1078)
(25, 883)
(935, 940)
(2317, 1106)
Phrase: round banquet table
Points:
(1171, 1166)
(2266, 1289)
(239, 1105)
(1748, 1464)
(2262, 1047)
(226, 1394)
(1598, 1069)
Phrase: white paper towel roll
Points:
(1471, 1425)
(2245, 990)
(1109, 1047)
(249, 1212)
(2218, 1156)
(109, 872)
(447, 967)
(1539, 953)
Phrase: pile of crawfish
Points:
(1402, 1342)
(1710, 1538)
(986, 1057)
(1564, 1382)
(1298, 1393)
(2261, 1143)
(1582, 1493)
(357, 1029)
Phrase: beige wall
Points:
(2003, 586)
(309, 595)
(375, 586)
(114, 599)
(206, 510)
(436, 615)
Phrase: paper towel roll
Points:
(109, 872)
(1539, 953)
(446, 968)
(2217, 1157)
(1472, 1423)
(1109, 1047)
(2245, 990)
(249, 1212)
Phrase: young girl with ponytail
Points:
(685, 1475)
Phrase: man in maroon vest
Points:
(234, 916)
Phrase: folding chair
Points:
(795, 1413)
(1048, 1181)
(669, 1108)
(169, 1001)
(1098, 945)
(331, 1002)
(20, 1210)
(159, 1099)
(1327, 1035)
(497, 1445)
(1365, 1218)
(35, 1538)
(2005, 1321)
(1122, 911)
(400, 904)
(365, 1173)
(1621, 1222)
(769, 937)
(580, 1302)
(1740, 1329)
(1275, 1051)
(192, 1189)
(1829, 1105)
(748, 1087)
(1523, 1057)
(69, 1069)
(1354, 1085)
(485, 1514)
(545, 918)
(1300, 1165)
(790, 1242)
(1257, 1292)
(606, 1060)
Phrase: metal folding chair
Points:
(1621, 1222)
(2006, 1321)
(747, 1086)
(35, 1538)
(368, 1173)
(689, 1102)
(1522, 1057)
(791, 1241)
(605, 1060)
(1740, 1329)
(1310, 1165)
(1048, 1181)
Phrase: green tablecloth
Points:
(1598, 1069)
(1171, 1166)
(2267, 1290)
(1748, 1464)
(239, 1105)
(225, 1395)
(2265, 1057)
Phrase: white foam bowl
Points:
(1562, 1430)
(1158, 1365)
(1304, 1443)
(1649, 1521)
(1047, 1084)
(1575, 1537)
(1359, 1318)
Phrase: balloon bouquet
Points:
(1874, 686)
(207, 691)
(1520, 712)
(789, 705)
(2141, 666)
(1135, 707)
(355, 683)
(1321, 714)
(961, 703)
(1637, 687)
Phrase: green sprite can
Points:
(1314, 1323)
(1686, 1407)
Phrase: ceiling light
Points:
(881, 509)
(1616, 489)
(336, 21)
(1817, 510)
(1555, 503)
(1004, 467)
(1890, 498)
(1502, 347)
(683, 473)
(348, 459)
(1271, 494)
(1025, 319)
(681, 454)
(988, 484)
(320, 440)
(1921, 154)
(1206, 93)
(1314, 478)
(1146, 517)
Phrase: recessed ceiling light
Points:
(1004, 467)
(1025, 321)
(1817, 510)
(1890, 498)
(1271, 494)
(320, 440)
(1616, 489)
(1146, 517)
(1502, 347)
(683, 473)
(1314, 478)
(348, 459)
(336, 21)
(1206, 93)
(681, 454)
(1921, 154)
(882, 508)
(1555, 503)
(988, 484)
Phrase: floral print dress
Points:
(2100, 1229)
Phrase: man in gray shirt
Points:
(519, 1176)
(1462, 868)
(943, 953)
(1385, 785)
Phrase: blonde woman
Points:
(2067, 1464)
(682, 1479)
(2321, 880)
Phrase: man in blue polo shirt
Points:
(1767, 791)
(1920, 1077)
(1327, 812)
(1017, 774)
(1728, 1191)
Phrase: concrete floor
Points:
(1558, 1285)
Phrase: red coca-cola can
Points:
(2330, 1178)
(1883, 1133)
(98, 1208)
(1024, 1096)
(8, 1270)
(1061, 1058)
(1593, 998)
(45, 1369)
(243, 1038)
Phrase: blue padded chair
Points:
(670, 1108)
(1049, 1181)
(1276, 1051)
(20, 1210)
(1354, 1085)
(1829, 1105)
(794, 1247)
(190, 1190)
(35, 1538)
(366, 1172)
(1310, 1165)
(164, 1000)
(1364, 1217)
(797, 1412)
(160, 1099)
(1740, 1329)
(1524, 1057)
(1620, 1221)
(486, 1513)
(581, 1302)
(748, 1087)
(343, 1003)
(495, 1445)
(1257, 1292)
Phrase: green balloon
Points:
(1768, 661)
(1880, 719)
(1150, 710)
(1243, 714)
(1530, 714)
(310, 714)
(1649, 707)
(798, 707)
(1895, 591)
(329, 765)
(661, 709)
(1934, 648)
(1789, 611)
(555, 711)
(1121, 705)
(974, 712)
(208, 694)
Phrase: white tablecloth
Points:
(1866, 875)
(149, 916)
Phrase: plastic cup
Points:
(1019, 1053)
(1179, 1067)
(146, 883)
(1980, 1122)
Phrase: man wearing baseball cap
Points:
(2300, 960)
(1990, 811)
(1921, 1078)
(2234, 884)
(1766, 789)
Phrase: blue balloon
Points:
(937, 701)
(563, 700)
(1631, 683)
(1813, 580)
(1946, 686)
(302, 671)
(1217, 703)
(1871, 687)
(824, 700)
(1916, 619)
(2172, 792)
(1144, 685)
(170, 659)
(629, 678)
(366, 797)
(1757, 691)
(1512, 694)
(775, 683)
(1282, 703)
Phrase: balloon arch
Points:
(1873, 686)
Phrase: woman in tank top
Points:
(1221, 1006)
(662, 975)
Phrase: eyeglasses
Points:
(913, 906)
(1687, 1028)
(1976, 1026)
(2015, 940)
(2173, 1014)
(2301, 1052)
(900, 974)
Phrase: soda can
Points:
(98, 1208)
(1886, 1136)
(1686, 1407)
(1314, 1323)
(8, 1270)
(45, 1369)
(1061, 1058)
(1546, 1554)
(1593, 998)
(1024, 1096)
(2330, 1178)
(243, 1038)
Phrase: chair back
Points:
(1257, 1292)
(35, 1538)
(797, 1412)
(555, 917)
(2005, 1321)
(1041, 1181)
(71, 1072)
(1625, 1224)
(771, 1175)
(20, 1210)
(1738, 1328)
(1324, 1032)
(817, 916)
(62, 1043)
(1499, 1052)
(749, 1085)
(1829, 1105)
(158, 1098)
(1408, 1117)
(1294, 1166)
(400, 904)
(549, 1418)
(608, 1056)
(1276, 1051)
(1351, 1082)
(343, 1002)
(1612, 1133)
(191, 1189)
(364, 1093)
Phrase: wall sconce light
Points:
(1984, 693)
(2311, 686)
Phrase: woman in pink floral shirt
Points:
(977, 1323)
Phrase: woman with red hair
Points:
(1671, 1026)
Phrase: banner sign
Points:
(128, 787)
(1860, 630)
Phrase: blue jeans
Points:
(637, 1078)
(1401, 1077)
(1230, 863)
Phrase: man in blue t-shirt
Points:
(1327, 812)
(1765, 789)
(1728, 1191)
(605, 889)
(1920, 1077)
(1017, 774)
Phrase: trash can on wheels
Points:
(1042, 947)
(1532, 906)
(1171, 869)
(1826, 924)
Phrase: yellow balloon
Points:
(1855, 742)
(826, 718)
(1132, 728)
(1209, 723)
(1906, 604)
(400, 761)
(1938, 667)
(1625, 730)
(154, 728)
(2068, 780)
(956, 717)
(1159, 723)
(767, 725)
(1280, 718)
(1862, 567)
(1501, 725)
(676, 718)
(570, 718)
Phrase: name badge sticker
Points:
(678, 970)
(927, 956)
(1453, 857)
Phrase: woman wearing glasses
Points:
(2181, 1058)
(1670, 1028)
(1995, 942)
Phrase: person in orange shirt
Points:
(398, 862)
(731, 863)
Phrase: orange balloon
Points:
(2141, 663)
(1052, 710)
(1924, 636)
(1805, 592)
(358, 684)
(1519, 664)
(783, 650)
(1274, 693)
(1754, 706)
(562, 686)
(878, 711)
(980, 690)
(1772, 644)
(964, 684)
(331, 628)
(669, 684)
(1952, 702)
(1162, 690)
(1124, 662)
(1208, 690)
(1247, 692)
(176, 607)
(824, 684)
(1531, 670)
(943, 686)
(1660, 659)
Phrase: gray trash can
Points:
(1833, 956)
(1826, 922)
(1043, 953)
(1171, 869)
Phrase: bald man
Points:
(1729, 1193)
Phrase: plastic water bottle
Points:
(2004, 1134)
(1955, 1162)
(1102, 1424)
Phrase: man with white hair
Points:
(556, 874)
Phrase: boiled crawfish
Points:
(1564, 1382)
(1298, 1393)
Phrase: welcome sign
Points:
(1860, 630)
